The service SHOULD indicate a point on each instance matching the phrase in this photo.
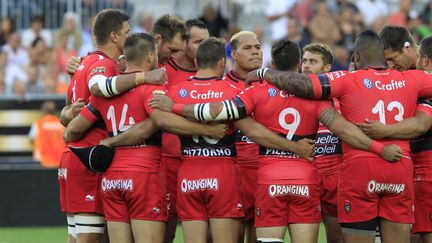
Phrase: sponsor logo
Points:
(282, 190)
(326, 144)
(183, 93)
(208, 152)
(367, 83)
(117, 184)
(156, 210)
(272, 92)
(89, 198)
(246, 139)
(347, 206)
(393, 85)
(97, 70)
(375, 187)
(199, 184)
(62, 173)
(209, 95)
(276, 152)
(158, 92)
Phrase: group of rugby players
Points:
(272, 160)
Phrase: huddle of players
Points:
(216, 177)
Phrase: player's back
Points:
(287, 116)
(122, 112)
(203, 90)
(176, 74)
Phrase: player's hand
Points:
(391, 153)
(72, 65)
(305, 149)
(373, 129)
(77, 106)
(252, 77)
(106, 141)
(156, 77)
(217, 131)
(161, 102)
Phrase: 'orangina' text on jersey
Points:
(95, 63)
(290, 117)
(119, 114)
(388, 96)
(203, 90)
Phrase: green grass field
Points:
(58, 235)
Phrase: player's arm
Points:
(407, 129)
(352, 135)
(173, 123)
(76, 128)
(101, 85)
(260, 134)
(70, 111)
(213, 111)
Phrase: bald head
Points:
(369, 49)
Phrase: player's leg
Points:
(423, 208)
(304, 233)
(250, 232)
(225, 230)
(119, 232)
(394, 232)
(90, 227)
(195, 231)
(71, 228)
(333, 230)
(360, 232)
(145, 231)
(426, 237)
(242, 233)
(170, 230)
(271, 234)
(249, 183)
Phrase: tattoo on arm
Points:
(328, 116)
(294, 83)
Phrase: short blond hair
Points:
(235, 37)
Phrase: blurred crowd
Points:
(33, 60)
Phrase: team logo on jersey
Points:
(158, 92)
(272, 92)
(183, 93)
(97, 70)
(258, 212)
(347, 206)
(367, 83)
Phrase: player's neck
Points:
(371, 65)
(110, 51)
(207, 73)
(240, 72)
(135, 68)
(184, 62)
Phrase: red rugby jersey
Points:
(203, 90)
(176, 75)
(95, 63)
(290, 117)
(247, 150)
(376, 94)
(120, 113)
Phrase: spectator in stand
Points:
(7, 27)
(303, 11)
(323, 27)
(47, 148)
(88, 44)
(216, 24)
(17, 61)
(70, 30)
(341, 61)
(371, 10)
(39, 56)
(278, 12)
(144, 22)
(349, 28)
(36, 30)
(265, 46)
(296, 33)
(34, 84)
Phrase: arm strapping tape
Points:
(229, 111)
(107, 86)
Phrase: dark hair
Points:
(168, 26)
(368, 41)
(37, 18)
(107, 21)
(426, 47)
(209, 52)
(285, 55)
(195, 23)
(138, 46)
(394, 37)
(324, 50)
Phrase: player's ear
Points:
(113, 36)
(426, 61)
(158, 39)
(327, 68)
(233, 55)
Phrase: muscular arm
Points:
(406, 129)
(265, 137)
(76, 129)
(70, 111)
(294, 83)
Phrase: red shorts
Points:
(133, 195)
(372, 187)
(328, 188)
(280, 205)
(423, 207)
(209, 189)
(249, 183)
(79, 187)
(171, 167)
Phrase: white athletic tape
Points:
(270, 240)
(85, 224)
(71, 226)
